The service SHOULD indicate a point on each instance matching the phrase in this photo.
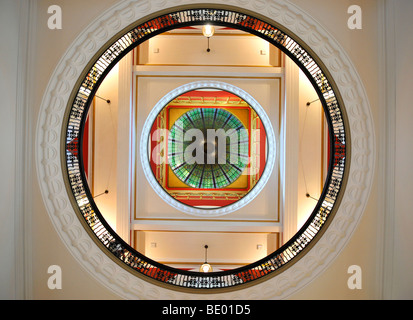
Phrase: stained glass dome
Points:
(208, 148)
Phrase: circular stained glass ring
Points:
(208, 148)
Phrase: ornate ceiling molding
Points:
(196, 86)
(50, 136)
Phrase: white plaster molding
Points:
(24, 129)
(195, 86)
(387, 164)
(111, 274)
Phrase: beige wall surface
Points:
(48, 249)
(367, 246)
(362, 250)
(402, 284)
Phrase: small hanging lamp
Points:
(208, 31)
(206, 267)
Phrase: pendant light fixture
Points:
(206, 267)
(208, 31)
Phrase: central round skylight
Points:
(208, 148)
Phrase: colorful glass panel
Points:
(202, 130)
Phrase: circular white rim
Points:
(271, 155)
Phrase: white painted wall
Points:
(403, 211)
(48, 249)
(224, 248)
(311, 150)
(235, 50)
(9, 41)
(104, 147)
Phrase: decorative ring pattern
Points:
(138, 262)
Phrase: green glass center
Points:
(208, 148)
